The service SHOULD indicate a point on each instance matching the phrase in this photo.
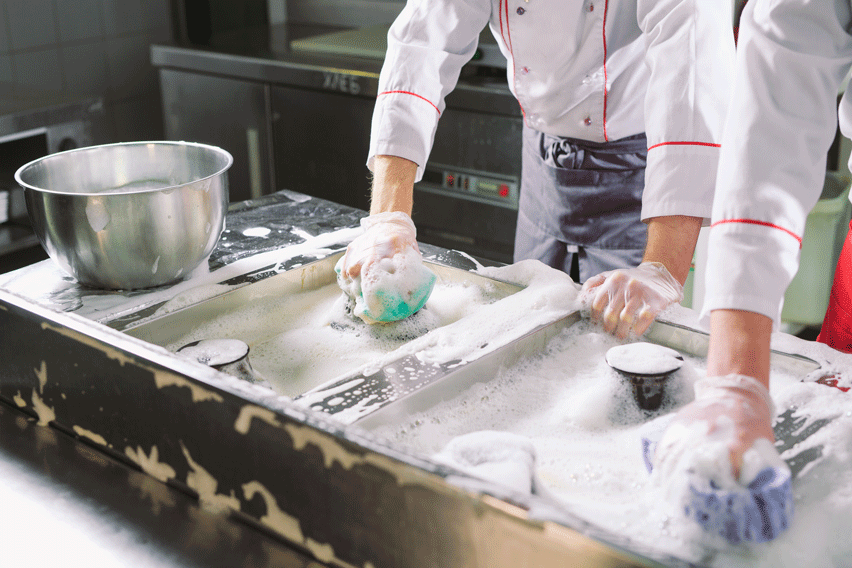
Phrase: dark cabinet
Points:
(230, 113)
(321, 141)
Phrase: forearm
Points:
(393, 185)
(740, 344)
(671, 241)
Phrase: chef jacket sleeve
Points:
(690, 54)
(791, 59)
(428, 44)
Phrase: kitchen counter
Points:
(154, 460)
(62, 489)
(65, 500)
(291, 219)
(265, 55)
(67, 504)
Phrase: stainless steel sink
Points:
(286, 319)
(267, 316)
(336, 490)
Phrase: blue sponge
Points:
(757, 512)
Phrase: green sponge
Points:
(392, 292)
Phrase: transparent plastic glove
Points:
(716, 462)
(714, 434)
(385, 234)
(382, 271)
(627, 300)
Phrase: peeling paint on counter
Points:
(97, 438)
(162, 379)
(289, 526)
(151, 464)
(41, 374)
(275, 518)
(111, 352)
(19, 400)
(203, 483)
(199, 393)
(209, 431)
(45, 413)
(243, 422)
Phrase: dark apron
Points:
(581, 197)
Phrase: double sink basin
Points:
(297, 458)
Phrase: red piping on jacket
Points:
(606, 10)
(413, 95)
(710, 144)
(762, 224)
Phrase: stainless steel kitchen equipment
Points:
(338, 492)
(227, 355)
(130, 215)
(296, 114)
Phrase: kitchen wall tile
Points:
(32, 23)
(122, 16)
(138, 119)
(4, 30)
(85, 68)
(157, 15)
(37, 73)
(79, 19)
(130, 70)
(6, 77)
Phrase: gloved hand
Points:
(717, 463)
(627, 300)
(383, 272)
(385, 234)
(726, 419)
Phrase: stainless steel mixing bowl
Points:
(130, 215)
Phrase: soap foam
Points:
(584, 424)
(390, 289)
(303, 340)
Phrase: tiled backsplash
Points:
(73, 49)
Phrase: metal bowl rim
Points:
(215, 149)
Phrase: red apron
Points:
(837, 326)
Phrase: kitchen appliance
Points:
(28, 130)
(372, 42)
(129, 215)
(468, 197)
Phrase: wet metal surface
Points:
(338, 493)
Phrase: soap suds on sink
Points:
(302, 340)
(581, 417)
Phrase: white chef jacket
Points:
(791, 60)
(590, 69)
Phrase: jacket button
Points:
(525, 70)
(587, 121)
(520, 11)
(591, 7)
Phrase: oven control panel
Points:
(472, 185)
